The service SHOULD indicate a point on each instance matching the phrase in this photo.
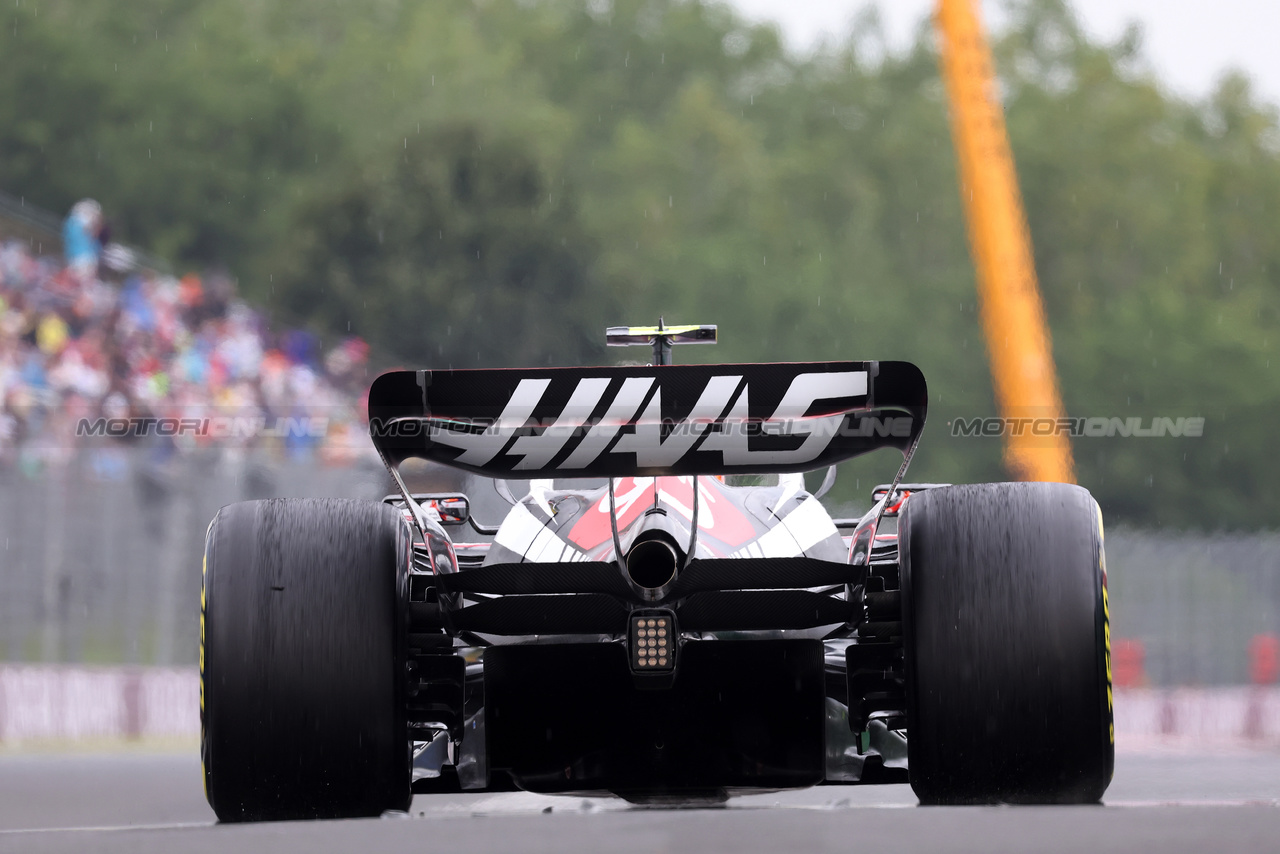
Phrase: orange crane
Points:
(1013, 319)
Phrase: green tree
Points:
(615, 161)
(449, 252)
(157, 109)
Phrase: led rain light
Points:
(652, 642)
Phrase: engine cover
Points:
(740, 714)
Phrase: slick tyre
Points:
(1007, 645)
(302, 660)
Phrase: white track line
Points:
(106, 828)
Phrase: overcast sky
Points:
(1188, 43)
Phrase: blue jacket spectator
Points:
(80, 237)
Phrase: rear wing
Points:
(647, 421)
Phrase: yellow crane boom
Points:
(1013, 319)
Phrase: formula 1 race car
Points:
(668, 615)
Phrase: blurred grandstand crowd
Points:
(94, 336)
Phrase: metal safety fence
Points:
(100, 558)
(100, 564)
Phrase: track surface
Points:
(153, 803)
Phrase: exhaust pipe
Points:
(652, 563)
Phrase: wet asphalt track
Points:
(153, 803)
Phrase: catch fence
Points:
(100, 564)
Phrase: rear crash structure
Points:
(668, 615)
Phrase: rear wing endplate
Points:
(647, 420)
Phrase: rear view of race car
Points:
(668, 615)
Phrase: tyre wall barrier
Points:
(59, 703)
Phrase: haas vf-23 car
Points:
(667, 615)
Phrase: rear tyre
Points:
(1007, 645)
(302, 660)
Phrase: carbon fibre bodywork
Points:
(762, 592)
(767, 609)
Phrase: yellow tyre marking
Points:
(204, 576)
(1106, 620)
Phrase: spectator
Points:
(80, 242)
(73, 346)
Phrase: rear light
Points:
(651, 642)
